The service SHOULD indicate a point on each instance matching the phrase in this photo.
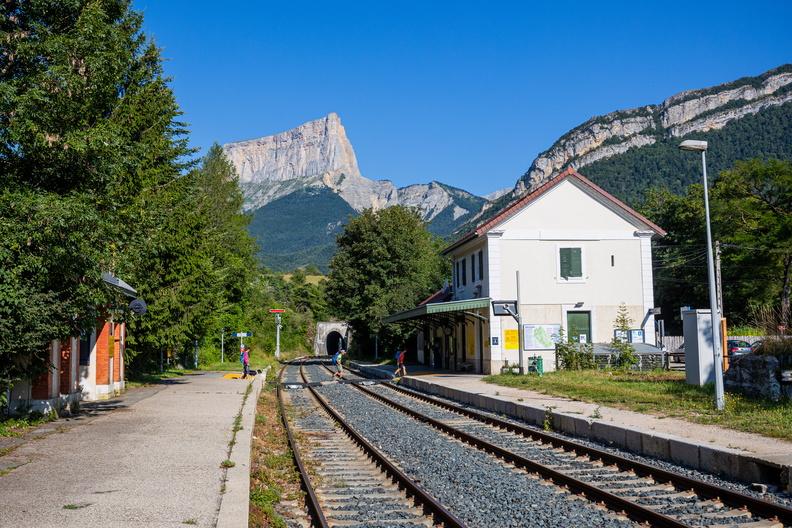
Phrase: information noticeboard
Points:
(510, 339)
(540, 336)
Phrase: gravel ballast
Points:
(474, 485)
(772, 495)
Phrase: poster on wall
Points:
(540, 337)
(510, 339)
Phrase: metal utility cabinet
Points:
(699, 361)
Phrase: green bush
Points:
(574, 356)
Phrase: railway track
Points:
(346, 480)
(643, 492)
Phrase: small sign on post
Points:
(240, 335)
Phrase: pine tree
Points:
(88, 132)
(626, 352)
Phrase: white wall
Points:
(473, 288)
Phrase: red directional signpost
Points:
(277, 312)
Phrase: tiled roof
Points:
(519, 204)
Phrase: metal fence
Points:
(646, 360)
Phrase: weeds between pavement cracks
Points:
(273, 476)
(10, 427)
(76, 506)
(228, 463)
(663, 393)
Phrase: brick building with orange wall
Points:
(85, 367)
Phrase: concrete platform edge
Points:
(235, 502)
(721, 461)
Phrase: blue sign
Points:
(242, 334)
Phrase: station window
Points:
(464, 272)
(473, 268)
(481, 264)
(570, 263)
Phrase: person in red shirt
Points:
(244, 357)
(401, 369)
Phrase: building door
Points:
(579, 327)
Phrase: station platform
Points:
(725, 452)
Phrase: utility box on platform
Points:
(699, 361)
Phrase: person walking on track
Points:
(401, 370)
(244, 358)
(337, 357)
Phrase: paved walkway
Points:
(153, 460)
(762, 447)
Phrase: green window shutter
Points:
(575, 262)
(571, 263)
(564, 261)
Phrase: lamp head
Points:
(693, 144)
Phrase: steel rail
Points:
(429, 503)
(760, 507)
(311, 500)
(593, 493)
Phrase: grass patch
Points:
(10, 427)
(662, 393)
(227, 464)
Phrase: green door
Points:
(579, 324)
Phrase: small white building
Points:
(580, 254)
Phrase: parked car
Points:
(737, 347)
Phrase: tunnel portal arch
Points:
(325, 338)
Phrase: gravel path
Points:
(476, 486)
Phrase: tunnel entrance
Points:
(334, 342)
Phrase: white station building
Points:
(580, 254)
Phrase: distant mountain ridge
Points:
(302, 185)
(680, 115)
(313, 168)
(628, 151)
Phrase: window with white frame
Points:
(570, 263)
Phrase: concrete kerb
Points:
(235, 502)
(725, 462)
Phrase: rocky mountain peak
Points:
(316, 153)
(681, 114)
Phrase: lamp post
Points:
(701, 146)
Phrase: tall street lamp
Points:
(701, 146)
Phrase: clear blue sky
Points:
(467, 93)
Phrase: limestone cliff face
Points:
(314, 154)
(682, 114)
(318, 154)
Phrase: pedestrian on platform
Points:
(401, 370)
(337, 357)
(244, 358)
